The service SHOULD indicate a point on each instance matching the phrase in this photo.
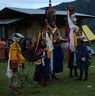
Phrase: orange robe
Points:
(15, 53)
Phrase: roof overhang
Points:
(9, 21)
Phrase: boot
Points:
(80, 77)
(53, 76)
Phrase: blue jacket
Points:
(82, 52)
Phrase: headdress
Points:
(17, 36)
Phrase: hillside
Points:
(83, 6)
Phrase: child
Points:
(83, 58)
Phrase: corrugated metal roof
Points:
(8, 21)
(14, 11)
(42, 11)
(28, 11)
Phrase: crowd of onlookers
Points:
(27, 47)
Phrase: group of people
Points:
(83, 60)
(48, 53)
(48, 62)
(48, 59)
(45, 66)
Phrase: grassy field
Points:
(65, 86)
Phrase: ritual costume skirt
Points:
(47, 68)
(57, 59)
(42, 72)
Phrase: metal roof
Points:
(42, 12)
(9, 14)
(28, 11)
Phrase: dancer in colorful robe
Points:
(42, 72)
(72, 39)
(15, 61)
(56, 53)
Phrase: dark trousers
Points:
(75, 71)
(71, 66)
(85, 74)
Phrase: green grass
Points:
(65, 86)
